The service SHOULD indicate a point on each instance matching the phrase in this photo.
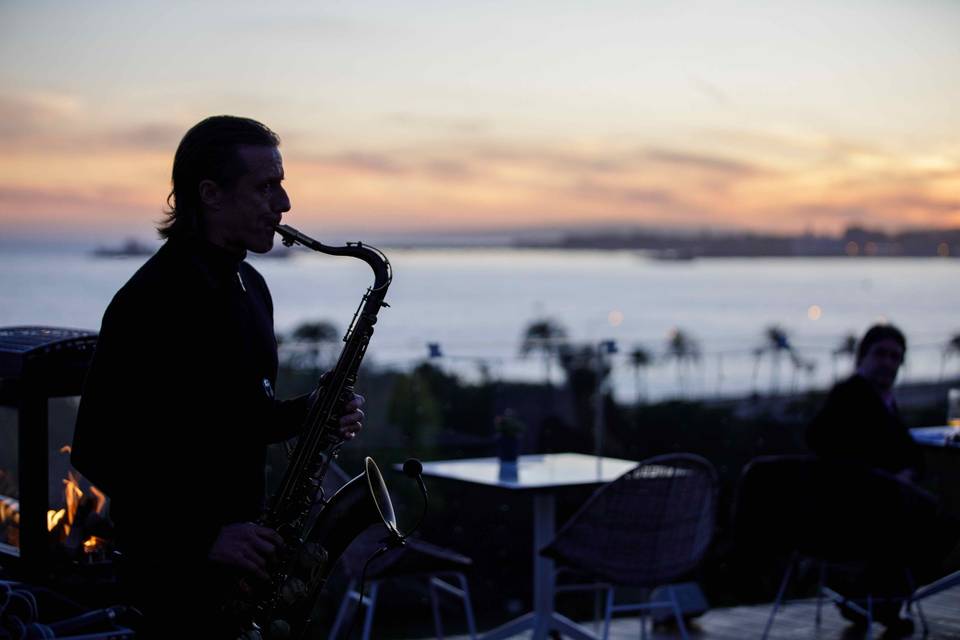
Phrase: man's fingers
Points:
(263, 547)
(247, 546)
(268, 534)
(253, 558)
(351, 422)
(352, 418)
(357, 402)
(254, 564)
(351, 425)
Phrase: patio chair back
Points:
(648, 527)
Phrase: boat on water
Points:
(674, 255)
(130, 248)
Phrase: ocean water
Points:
(476, 304)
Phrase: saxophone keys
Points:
(312, 556)
(293, 591)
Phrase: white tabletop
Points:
(543, 471)
(936, 436)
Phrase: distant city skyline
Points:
(407, 118)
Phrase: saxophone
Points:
(317, 533)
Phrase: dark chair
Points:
(442, 569)
(846, 518)
(645, 529)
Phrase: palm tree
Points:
(950, 349)
(846, 349)
(312, 338)
(639, 358)
(757, 357)
(683, 348)
(808, 367)
(777, 342)
(546, 336)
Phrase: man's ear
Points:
(210, 194)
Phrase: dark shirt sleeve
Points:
(287, 419)
(282, 419)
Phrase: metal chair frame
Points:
(439, 580)
(796, 501)
(437, 583)
(610, 607)
(838, 598)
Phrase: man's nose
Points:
(283, 201)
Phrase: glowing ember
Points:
(93, 544)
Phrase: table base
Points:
(541, 627)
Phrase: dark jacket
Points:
(855, 425)
(178, 407)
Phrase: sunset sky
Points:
(418, 116)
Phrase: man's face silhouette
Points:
(244, 215)
(881, 362)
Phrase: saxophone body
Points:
(317, 531)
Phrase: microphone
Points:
(413, 468)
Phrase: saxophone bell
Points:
(360, 503)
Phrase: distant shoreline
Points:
(854, 242)
(657, 244)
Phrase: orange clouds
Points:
(58, 166)
(503, 185)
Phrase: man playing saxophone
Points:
(178, 407)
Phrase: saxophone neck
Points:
(383, 272)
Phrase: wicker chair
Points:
(442, 569)
(645, 529)
(839, 516)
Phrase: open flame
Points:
(54, 518)
(81, 527)
(63, 521)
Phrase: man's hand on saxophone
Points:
(246, 546)
(351, 420)
(252, 547)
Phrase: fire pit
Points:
(45, 522)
